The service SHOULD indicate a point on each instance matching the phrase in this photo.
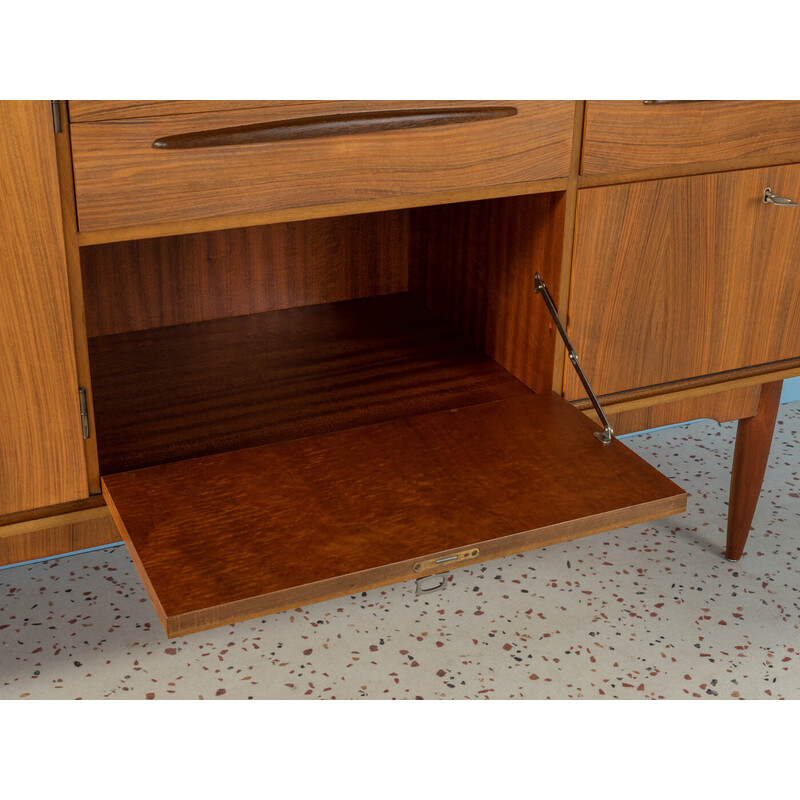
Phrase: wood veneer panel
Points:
(694, 388)
(300, 213)
(172, 280)
(720, 406)
(679, 171)
(685, 277)
(627, 134)
(103, 110)
(69, 221)
(42, 458)
(474, 264)
(121, 180)
(753, 440)
(326, 126)
(239, 534)
(568, 240)
(97, 110)
(25, 543)
(43, 513)
(189, 390)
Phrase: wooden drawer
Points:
(634, 134)
(239, 161)
(685, 277)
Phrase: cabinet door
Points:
(41, 445)
(685, 277)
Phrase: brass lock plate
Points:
(450, 560)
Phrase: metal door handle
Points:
(771, 197)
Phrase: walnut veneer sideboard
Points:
(289, 350)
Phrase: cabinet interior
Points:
(294, 412)
(210, 342)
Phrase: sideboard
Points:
(291, 350)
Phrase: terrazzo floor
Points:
(651, 611)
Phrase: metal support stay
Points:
(539, 286)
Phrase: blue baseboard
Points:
(60, 555)
(791, 390)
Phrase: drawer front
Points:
(295, 155)
(633, 134)
(98, 110)
(685, 277)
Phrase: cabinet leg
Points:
(753, 440)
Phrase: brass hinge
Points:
(84, 411)
(56, 106)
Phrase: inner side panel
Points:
(474, 265)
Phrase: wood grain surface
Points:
(388, 203)
(57, 537)
(474, 264)
(173, 280)
(753, 441)
(562, 282)
(325, 126)
(76, 292)
(685, 277)
(627, 134)
(100, 110)
(42, 514)
(122, 180)
(720, 406)
(189, 390)
(42, 459)
(695, 388)
(235, 535)
(681, 170)
(103, 110)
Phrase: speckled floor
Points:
(652, 611)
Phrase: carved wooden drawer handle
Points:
(286, 130)
(668, 102)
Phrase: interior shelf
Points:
(185, 391)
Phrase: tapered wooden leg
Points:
(753, 440)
